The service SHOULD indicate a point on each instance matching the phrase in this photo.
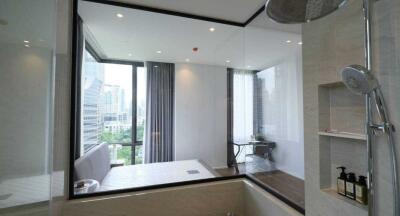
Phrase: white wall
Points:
(282, 111)
(201, 113)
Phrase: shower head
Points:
(359, 80)
(300, 11)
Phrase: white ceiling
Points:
(142, 33)
(233, 10)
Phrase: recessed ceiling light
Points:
(129, 54)
(187, 60)
(159, 52)
(119, 15)
(227, 61)
(27, 45)
(26, 41)
(300, 43)
(249, 66)
(155, 66)
(212, 29)
(288, 41)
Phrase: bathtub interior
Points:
(232, 197)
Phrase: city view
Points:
(107, 109)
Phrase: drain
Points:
(191, 172)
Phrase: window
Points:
(140, 113)
(92, 87)
(243, 124)
(109, 109)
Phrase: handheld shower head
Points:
(359, 80)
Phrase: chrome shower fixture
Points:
(300, 11)
(361, 81)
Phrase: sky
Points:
(116, 74)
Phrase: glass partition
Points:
(274, 54)
(26, 104)
(186, 100)
(153, 98)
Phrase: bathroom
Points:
(295, 99)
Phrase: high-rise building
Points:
(92, 80)
(116, 117)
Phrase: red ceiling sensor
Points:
(195, 49)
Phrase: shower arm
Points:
(368, 130)
(385, 127)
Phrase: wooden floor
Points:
(291, 187)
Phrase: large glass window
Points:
(106, 110)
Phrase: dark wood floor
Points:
(291, 187)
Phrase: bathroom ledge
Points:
(332, 193)
(278, 194)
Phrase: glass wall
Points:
(26, 104)
(188, 104)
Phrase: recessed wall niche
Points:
(341, 135)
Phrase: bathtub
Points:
(238, 197)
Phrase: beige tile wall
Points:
(329, 44)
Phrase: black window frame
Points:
(135, 65)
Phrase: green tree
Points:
(123, 136)
(140, 131)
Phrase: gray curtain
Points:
(256, 110)
(257, 104)
(159, 139)
(230, 152)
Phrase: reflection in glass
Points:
(281, 119)
(280, 102)
(26, 105)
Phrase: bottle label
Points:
(350, 190)
(359, 193)
(341, 187)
